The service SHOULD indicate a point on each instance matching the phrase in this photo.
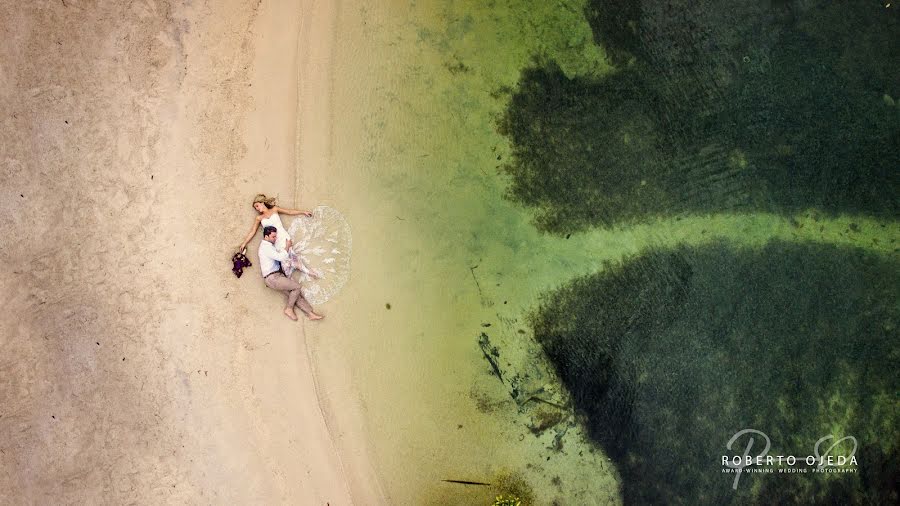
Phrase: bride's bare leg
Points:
(307, 269)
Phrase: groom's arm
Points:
(268, 249)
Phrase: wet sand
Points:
(136, 367)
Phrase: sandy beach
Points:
(137, 368)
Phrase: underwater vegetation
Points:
(670, 353)
(719, 107)
(713, 107)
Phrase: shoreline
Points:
(315, 126)
(339, 455)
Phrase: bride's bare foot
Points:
(314, 316)
(289, 312)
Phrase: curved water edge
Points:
(338, 401)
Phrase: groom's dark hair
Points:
(268, 230)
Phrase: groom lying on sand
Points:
(270, 263)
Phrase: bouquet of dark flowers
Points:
(240, 262)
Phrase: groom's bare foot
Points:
(289, 312)
(314, 316)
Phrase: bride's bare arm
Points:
(250, 235)
(292, 212)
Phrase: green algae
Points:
(514, 485)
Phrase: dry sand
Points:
(136, 368)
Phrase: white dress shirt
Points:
(269, 258)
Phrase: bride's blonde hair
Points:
(267, 201)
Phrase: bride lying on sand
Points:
(269, 217)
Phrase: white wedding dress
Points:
(322, 244)
(275, 221)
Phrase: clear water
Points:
(461, 231)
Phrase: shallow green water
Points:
(455, 233)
